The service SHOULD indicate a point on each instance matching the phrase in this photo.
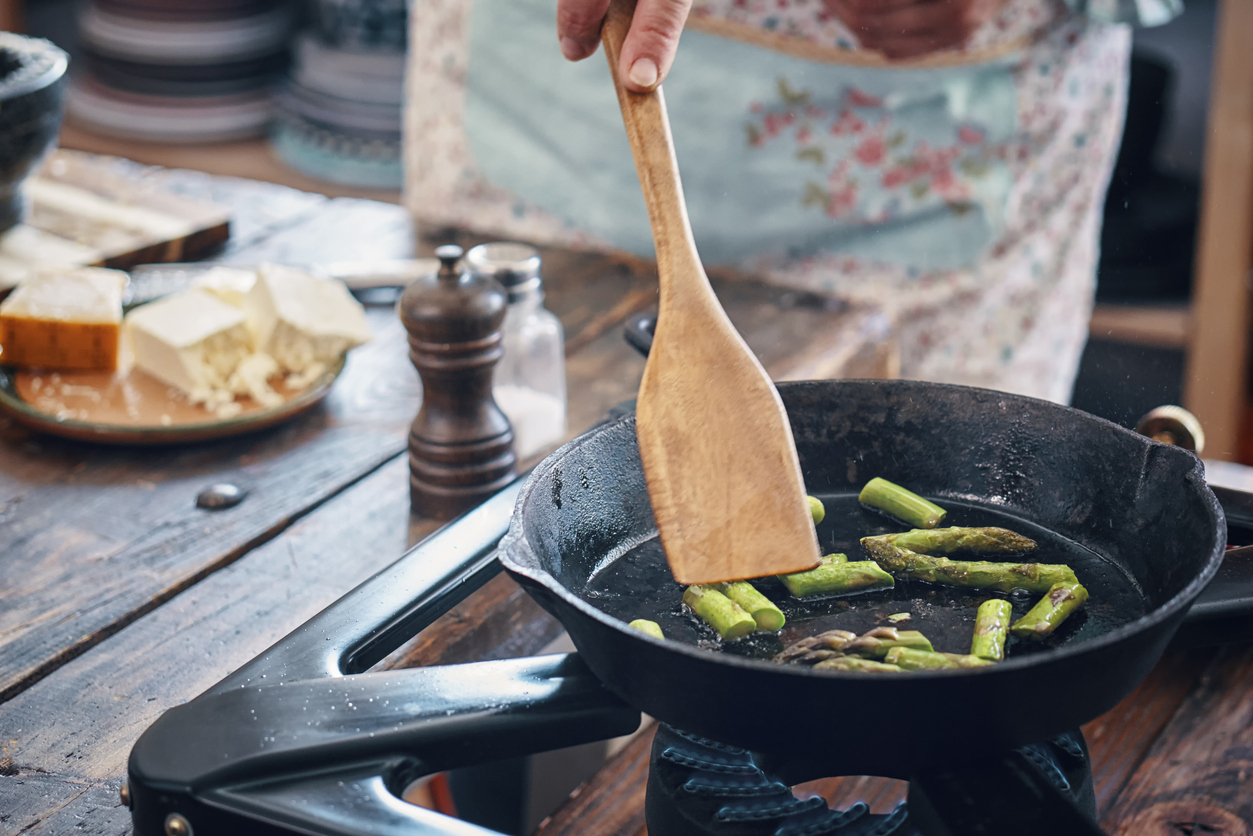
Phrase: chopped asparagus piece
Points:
(769, 617)
(856, 663)
(988, 540)
(652, 628)
(899, 617)
(991, 629)
(909, 659)
(836, 575)
(1003, 577)
(816, 509)
(901, 503)
(719, 612)
(877, 642)
(1055, 607)
(813, 649)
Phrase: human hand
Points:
(649, 48)
(910, 28)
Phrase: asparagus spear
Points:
(988, 540)
(719, 612)
(769, 618)
(877, 642)
(652, 628)
(816, 509)
(1050, 611)
(856, 663)
(1004, 577)
(910, 659)
(813, 649)
(901, 503)
(836, 575)
(991, 629)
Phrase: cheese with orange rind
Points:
(64, 318)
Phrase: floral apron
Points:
(960, 196)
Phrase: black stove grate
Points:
(303, 739)
(698, 787)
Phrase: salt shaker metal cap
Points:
(515, 266)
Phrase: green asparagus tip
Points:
(652, 628)
(901, 503)
(816, 509)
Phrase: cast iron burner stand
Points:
(302, 739)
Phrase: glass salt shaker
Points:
(530, 381)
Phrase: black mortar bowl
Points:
(32, 101)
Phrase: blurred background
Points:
(309, 94)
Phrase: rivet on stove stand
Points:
(218, 497)
(176, 825)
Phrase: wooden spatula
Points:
(719, 459)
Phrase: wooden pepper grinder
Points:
(461, 444)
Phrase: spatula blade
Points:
(720, 462)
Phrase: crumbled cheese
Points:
(301, 320)
(67, 318)
(192, 341)
(252, 378)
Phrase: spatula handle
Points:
(648, 131)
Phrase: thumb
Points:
(649, 48)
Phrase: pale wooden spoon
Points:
(719, 459)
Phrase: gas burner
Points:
(304, 739)
(699, 787)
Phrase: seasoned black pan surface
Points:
(1132, 516)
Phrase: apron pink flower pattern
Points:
(858, 149)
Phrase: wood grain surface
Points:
(1198, 773)
(612, 802)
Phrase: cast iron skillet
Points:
(1139, 510)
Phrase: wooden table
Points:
(121, 599)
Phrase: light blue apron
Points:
(778, 155)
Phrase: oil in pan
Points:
(639, 585)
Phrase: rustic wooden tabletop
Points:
(119, 598)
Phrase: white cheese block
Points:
(303, 322)
(230, 284)
(192, 340)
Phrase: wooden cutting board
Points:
(82, 212)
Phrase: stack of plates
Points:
(339, 110)
(180, 70)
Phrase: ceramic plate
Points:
(129, 407)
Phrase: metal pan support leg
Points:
(301, 739)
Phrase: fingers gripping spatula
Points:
(719, 460)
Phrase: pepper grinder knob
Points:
(461, 444)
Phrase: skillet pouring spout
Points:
(1138, 511)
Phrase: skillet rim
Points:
(515, 540)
